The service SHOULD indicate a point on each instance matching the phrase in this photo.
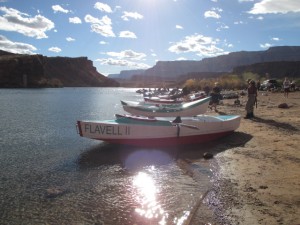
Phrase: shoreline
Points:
(257, 180)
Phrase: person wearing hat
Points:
(252, 94)
(215, 97)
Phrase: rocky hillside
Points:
(224, 63)
(126, 74)
(278, 69)
(172, 70)
(41, 71)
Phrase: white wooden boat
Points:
(159, 110)
(150, 104)
(149, 132)
(157, 100)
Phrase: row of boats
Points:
(157, 122)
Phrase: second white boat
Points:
(185, 109)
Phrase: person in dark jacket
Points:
(215, 97)
(252, 95)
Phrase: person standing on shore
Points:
(252, 95)
(286, 87)
(215, 97)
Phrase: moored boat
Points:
(160, 132)
(161, 110)
(157, 100)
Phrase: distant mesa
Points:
(277, 61)
(39, 71)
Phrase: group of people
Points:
(252, 90)
(252, 95)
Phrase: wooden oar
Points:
(178, 121)
(186, 125)
(189, 126)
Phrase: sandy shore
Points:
(257, 170)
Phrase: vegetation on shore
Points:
(228, 82)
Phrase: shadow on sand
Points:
(195, 152)
(136, 157)
(276, 124)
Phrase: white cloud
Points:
(14, 20)
(266, 45)
(123, 63)
(54, 49)
(275, 6)
(275, 39)
(228, 45)
(104, 30)
(181, 59)
(199, 44)
(70, 39)
(103, 43)
(133, 15)
(100, 26)
(127, 54)
(90, 19)
(58, 8)
(238, 22)
(222, 27)
(127, 34)
(103, 7)
(212, 14)
(16, 47)
(75, 20)
(217, 9)
(124, 59)
(178, 27)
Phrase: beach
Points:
(256, 176)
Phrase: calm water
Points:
(51, 175)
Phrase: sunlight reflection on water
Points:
(149, 206)
(146, 197)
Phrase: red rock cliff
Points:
(40, 71)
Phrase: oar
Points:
(186, 125)
(178, 121)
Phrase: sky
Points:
(134, 34)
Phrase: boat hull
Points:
(159, 133)
(185, 109)
(156, 100)
(168, 142)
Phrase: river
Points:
(51, 175)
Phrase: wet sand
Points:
(256, 171)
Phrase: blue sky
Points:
(135, 34)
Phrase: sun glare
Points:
(146, 197)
